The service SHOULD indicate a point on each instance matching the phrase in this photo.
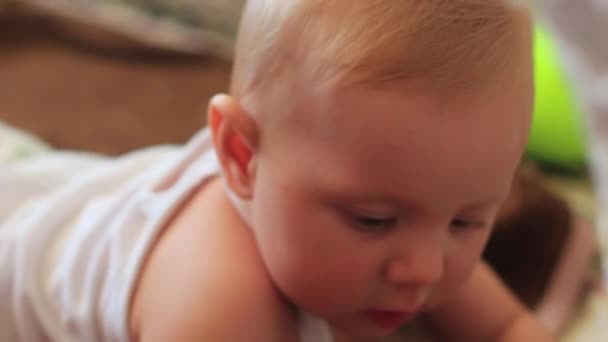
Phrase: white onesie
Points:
(75, 229)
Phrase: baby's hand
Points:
(485, 310)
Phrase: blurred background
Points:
(110, 76)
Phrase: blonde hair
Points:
(342, 42)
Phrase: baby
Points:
(347, 185)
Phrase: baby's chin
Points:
(342, 336)
(361, 330)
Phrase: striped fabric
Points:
(192, 26)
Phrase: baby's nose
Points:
(418, 267)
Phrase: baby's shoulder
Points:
(204, 280)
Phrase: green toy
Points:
(557, 136)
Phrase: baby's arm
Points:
(177, 309)
(484, 310)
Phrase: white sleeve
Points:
(36, 176)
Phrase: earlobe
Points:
(234, 134)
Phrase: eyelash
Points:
(461, 225)
(374, 224)
(380, 224)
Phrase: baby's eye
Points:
(464, 224)
(372, 223)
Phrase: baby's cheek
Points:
(334, 286)
(349, 271)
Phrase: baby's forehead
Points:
(408, 97)
(400, 109)
(372, 146)
(382, 139)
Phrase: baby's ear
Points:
(235, 136)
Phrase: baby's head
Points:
(371, 143)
